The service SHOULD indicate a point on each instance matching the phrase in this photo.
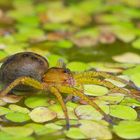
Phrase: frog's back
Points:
(23, 64)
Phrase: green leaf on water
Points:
(19, 131)
(95, 90)
(134, 74)
(130, 102)
(136, 43)
(56, 27)
(17, 117)
(75, 133)
(64, 44)
(52, 127)
(56, 14)
(2, 103)
(4, 110)
(60, 114)
(2, 54)
(87, 112)
(112, 99)
(20, 109)
(123, 112)
(63, 122)
(128, 129)
(77, 66)
(96, 130)
(42, 114)
(53, 59)
(36, 101)
(5, 136)
(39, 129)
(128, 57)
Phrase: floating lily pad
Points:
(65, 44)
(2, 103)
(123, 112)
(95, 90)
(136, 43)
(130, 102)
(127, 58)
(57, 15)
(77, 66)
(53, 59)
(75, 133)
(126, 35)
(52, 127)
(42, 114)
(24, 33)
(63, 122)
(87, 112)
(14, 48)
(19, 131)
(96, 130)
(128, 129)
(5, 136)
(105, 67)
(134, 74)
(36, 101)
(117, 83)
(60, 114)
(41, 129)
(20, 109)
(4, 110)
(58, 109)
(17, 117)
(112, 99)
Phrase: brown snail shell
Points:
(23, 64)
